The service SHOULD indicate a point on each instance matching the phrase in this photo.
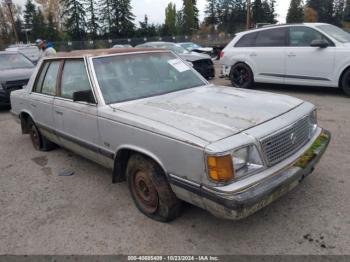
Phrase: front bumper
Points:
(250, 200)
(247, 200)
(206, 70)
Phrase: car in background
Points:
(201, 62)
(310, 54)
(122, 46)
(199, 49)
(30, 51)
(15, 72)
(170, 134)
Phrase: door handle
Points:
(59, 113)
(33, 105)
(292, 55)
(253, 54)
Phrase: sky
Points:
(155, 9)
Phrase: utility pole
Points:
(249, 14)
(9, 5)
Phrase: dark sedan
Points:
(201, 62)
(15, 71)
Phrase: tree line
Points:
(80, 20)
(335, 12)
(70, 20)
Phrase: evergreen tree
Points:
(189, 21)
(347, 11)
(92, 23)
(29, 14)
(270, 11)
(231, 15)
(323, 8)
(211, 12)
(52, 32)
(264, 11)
(19, 27)
(338, 16)
(39, 26)
(258, 12)
(122, 18)
(170, 19)
(74, 13)
(295, 12)
(196, 14)
(146, 29)
(106, 18)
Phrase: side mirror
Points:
(84, 96)
(319, 43)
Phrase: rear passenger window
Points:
(74, 78)
(49, 84)
(272, 37)
(40, 80)
(247, 40)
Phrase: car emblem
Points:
(293, 138)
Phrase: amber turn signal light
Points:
(220, 168)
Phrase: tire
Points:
(345, 82)
(241, 76)
(39, 142)
(150, 189)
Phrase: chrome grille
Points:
(285, 143)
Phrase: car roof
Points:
(280, 25)
(103, 52)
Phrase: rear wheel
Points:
(39, 142)
(345, 82)
(241, 76)
(150, 190)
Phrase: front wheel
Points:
(241, 76)
(150, 190)
(345, 82)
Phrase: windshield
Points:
(335, 32)
(135, 76)
(14, 61)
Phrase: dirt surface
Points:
(45, 213)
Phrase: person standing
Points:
(45, 48)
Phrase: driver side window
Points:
(74, 78)
(304, 36)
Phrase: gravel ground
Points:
(44, 213)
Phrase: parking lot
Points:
(44, 213)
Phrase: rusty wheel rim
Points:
(145, 193)
(35, 137)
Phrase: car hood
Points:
(193, 56)
(203, 49)
(211, 113)
(15, 74)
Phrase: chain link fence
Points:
(211, 40)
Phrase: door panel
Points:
(42, 99)
(269, 55)
(306, 64)
(76, 123)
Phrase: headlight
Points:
(240, 163)
(246, 161)
(313, 122)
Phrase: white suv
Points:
(298, 54)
